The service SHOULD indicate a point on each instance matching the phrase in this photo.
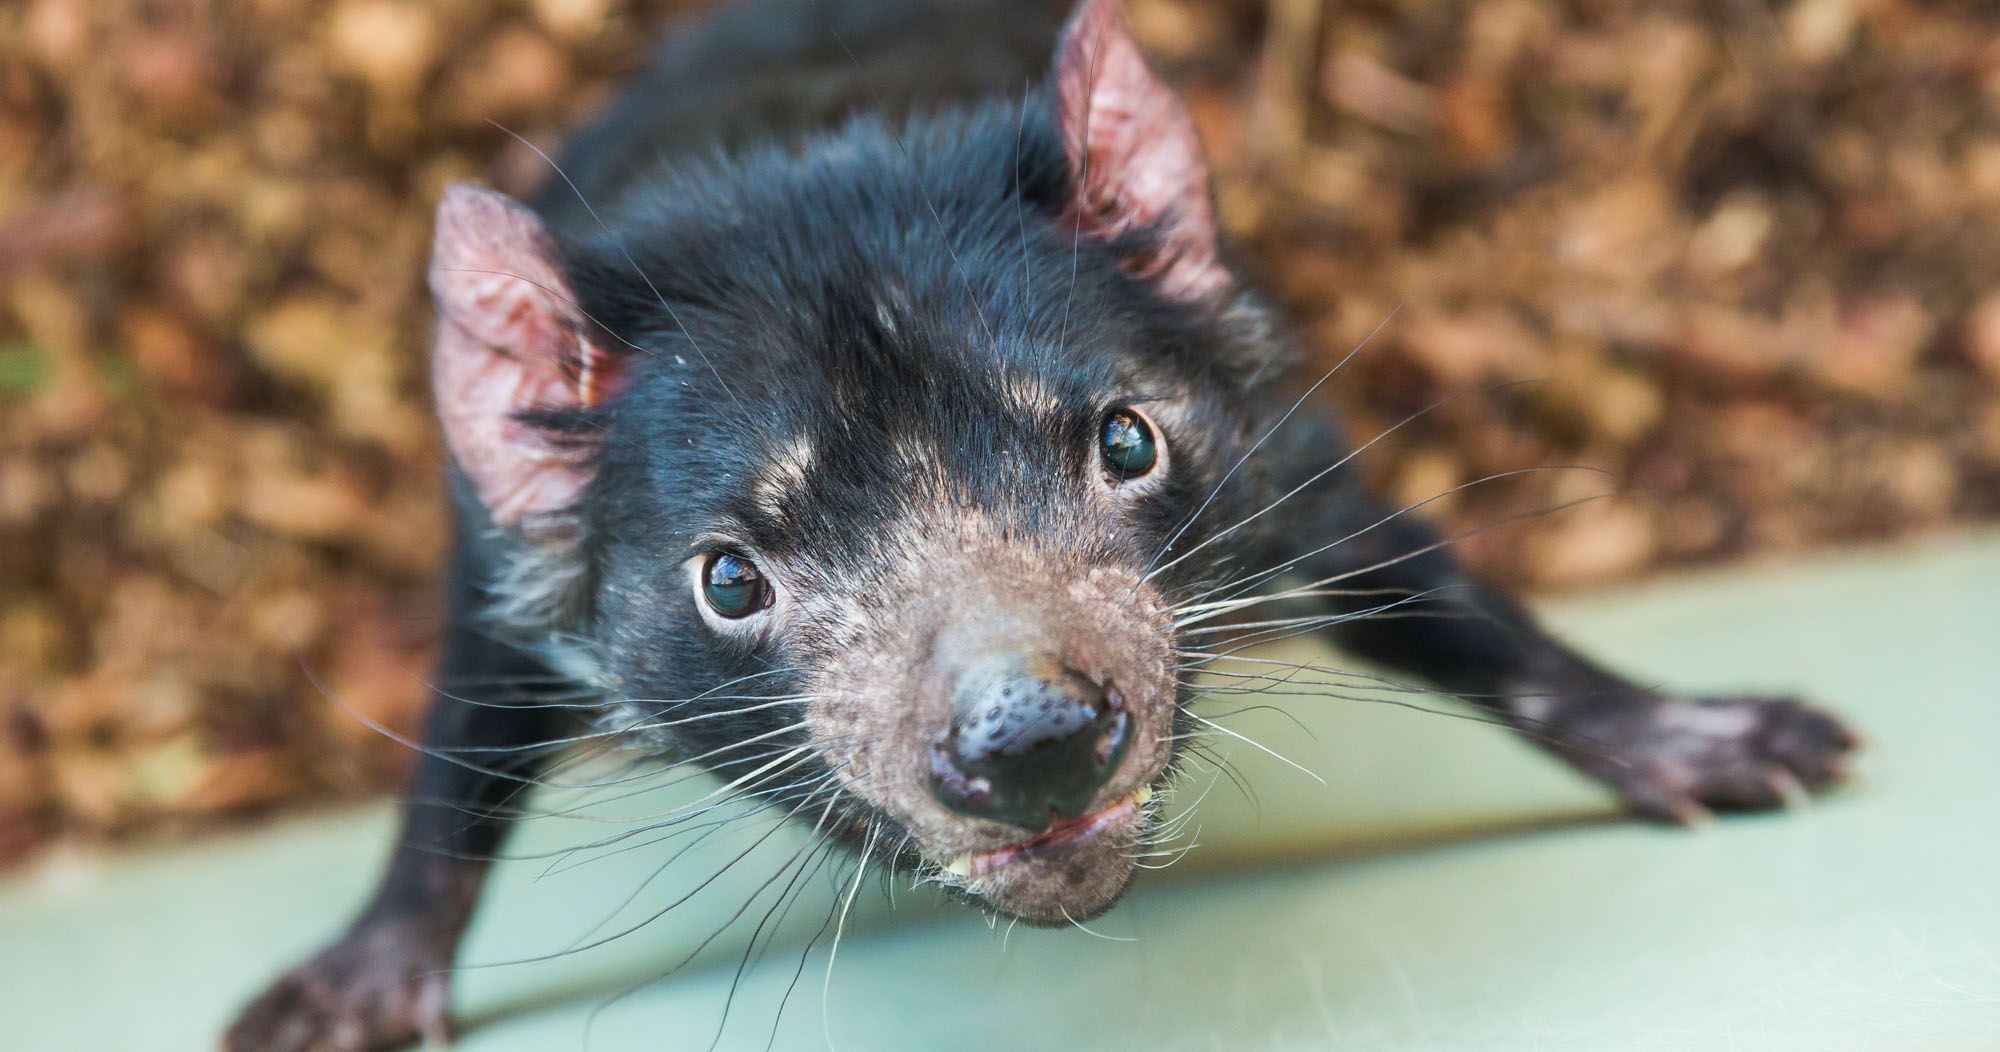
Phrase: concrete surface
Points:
(1446, 889)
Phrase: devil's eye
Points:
(733, 586)
(1129, 448)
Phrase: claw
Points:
(1684, 757)
(1791, 792)
(433, 1011)
(1687, 813)
(382, 986)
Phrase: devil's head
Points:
(878, 458)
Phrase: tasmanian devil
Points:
(870, 405)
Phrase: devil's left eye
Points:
(733, 586)
(1129, 446)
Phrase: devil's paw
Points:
(381, 986)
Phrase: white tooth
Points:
(1142, 794)
(960, 866)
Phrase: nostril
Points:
(962, 792)
(1112, 739)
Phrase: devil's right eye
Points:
(732, 586)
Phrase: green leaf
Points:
(23, 368)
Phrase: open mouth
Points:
(1060, 834)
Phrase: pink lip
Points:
(1064, 831)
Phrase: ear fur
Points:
(1134, 152)
(510, 344)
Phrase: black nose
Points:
(1030, 740)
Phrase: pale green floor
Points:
(1446, 890)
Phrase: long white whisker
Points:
(1325, 471)
(1244, 584)
(1261, 747)
(1078, 925)
(1265, 437)
(826, 989)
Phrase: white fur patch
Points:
(786, 469)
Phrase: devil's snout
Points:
(1030, 740)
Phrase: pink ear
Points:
(1134, 152)
(510, 341)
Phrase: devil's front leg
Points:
(383, 983)
(1398, 597)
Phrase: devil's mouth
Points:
(1062, 833)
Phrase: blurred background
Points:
(1741, 254)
